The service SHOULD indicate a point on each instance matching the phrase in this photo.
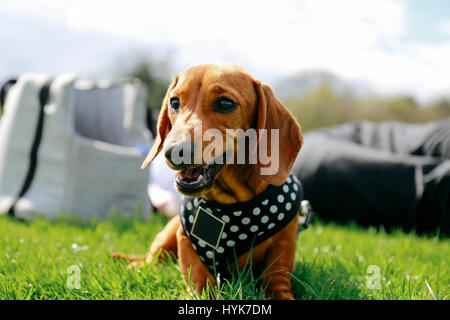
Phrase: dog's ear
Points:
(272, 114)
(163, 127)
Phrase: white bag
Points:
(72, 147)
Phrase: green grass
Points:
(332, 263)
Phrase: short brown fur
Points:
(197, 88)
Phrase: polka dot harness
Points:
(219, 233)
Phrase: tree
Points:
(154, 77)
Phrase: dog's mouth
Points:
(194, 180)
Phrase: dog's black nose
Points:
(180, 154)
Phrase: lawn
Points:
(45, 260)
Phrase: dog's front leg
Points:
(279, 263)
(194, 270)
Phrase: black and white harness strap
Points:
(219, 233)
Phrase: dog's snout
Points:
(180, 155)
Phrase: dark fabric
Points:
(220, 233)
(389, 174)
(152, 121)
(33, 157)
(4, 91)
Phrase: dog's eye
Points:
(174, 103)
(224, 105)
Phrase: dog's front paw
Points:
(280, 295)
(135, 262)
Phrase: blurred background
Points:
(329, 61)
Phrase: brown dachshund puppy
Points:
(225, 97)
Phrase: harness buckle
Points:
(306, 214)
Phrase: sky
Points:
(394, 46)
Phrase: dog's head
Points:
(214, 116)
